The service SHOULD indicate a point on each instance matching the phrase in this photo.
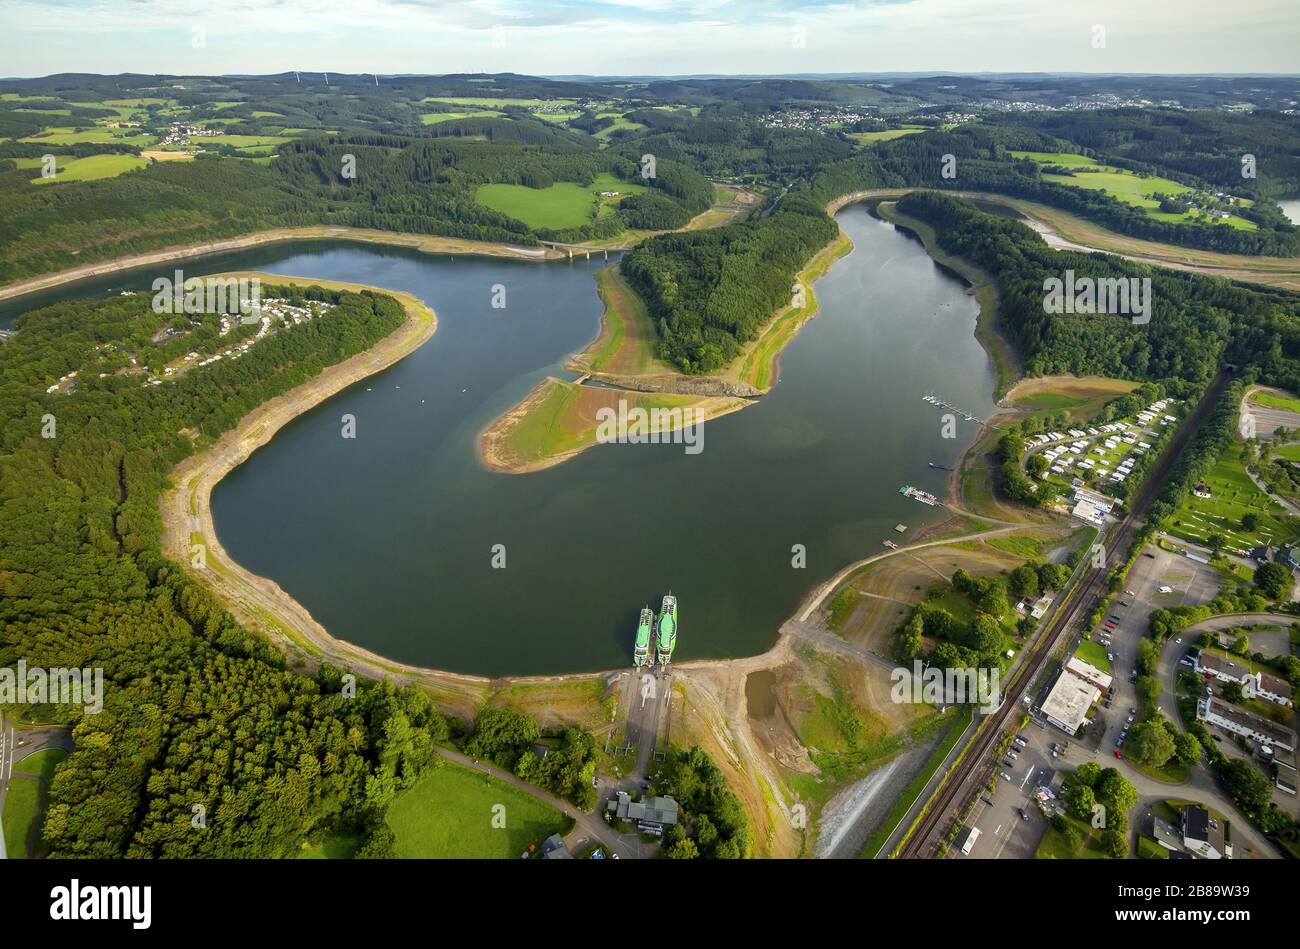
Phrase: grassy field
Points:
(1126, 186)
(449, 811)
(43, 763)
(1081, 396)
(564, 204)
(245, 141)
(888, 135)
(1234, 496)
(433, 118)
(97, 136)
(89, 168)
(619, 123)
(1274, 400)
(627, 341)
(21, 805)
(1022, 545)
(1094, 654)
(1055, 847)
(562, 420)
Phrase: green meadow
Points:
(563, 204)
(1275, 401)
(1126, 186)
(89, 168)
(1234, 496)
(21, 805)
(449, 813)
(97, 136)
(1094, 654)
(888, 135)
(433, 118)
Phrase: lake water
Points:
(387, 539)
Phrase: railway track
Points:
(959, 786)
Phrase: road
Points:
(649, 695)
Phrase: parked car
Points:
(1178, 639)
(1023, 815)
(986, 799)
(1118, 753)
(1005, 776)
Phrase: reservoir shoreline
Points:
(262, 605)
(426, 243)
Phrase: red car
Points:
(1119, 754)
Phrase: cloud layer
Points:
(613, 37)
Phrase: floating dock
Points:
(916, 494)
(941, 403)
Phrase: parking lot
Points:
(997, 814)
(1158, 579)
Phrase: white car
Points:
(1178, 639)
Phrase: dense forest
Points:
(709, 292)
(207, 745)
(423, 186)
(1196, 323)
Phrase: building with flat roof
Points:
(1240, 722)
(1078, 686)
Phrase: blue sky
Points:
(611, 37)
